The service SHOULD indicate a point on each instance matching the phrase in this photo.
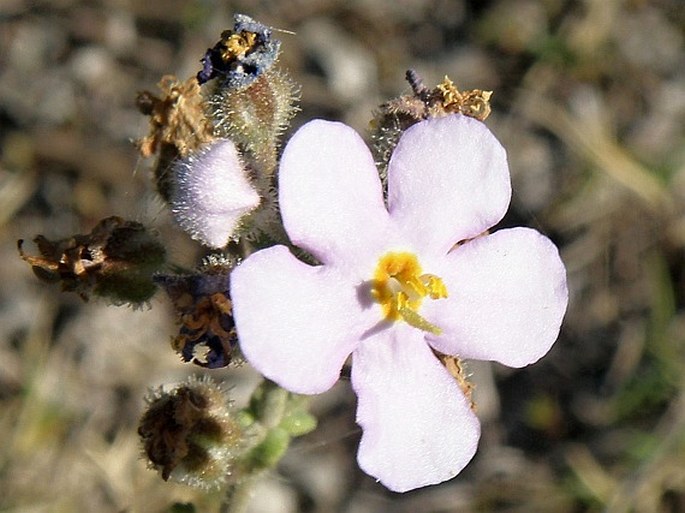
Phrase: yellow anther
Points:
(237, 45)
(399, 287)
(435, 286)
(413, 287)
(401, 301)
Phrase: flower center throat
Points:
(399, 286)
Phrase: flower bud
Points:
(211, 193)
(252, 102)
(256, 116)
(190, 435)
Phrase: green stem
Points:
(275, 399)
(273, 402)
(239, 495)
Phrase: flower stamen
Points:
(399, 286)
(236, 45)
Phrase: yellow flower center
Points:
(399, 286)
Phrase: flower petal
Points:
(330, 194)
(212, 193)
(507, 298)
(418, 426)
(296, 324)
(448, 180)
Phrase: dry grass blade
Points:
(590, 140)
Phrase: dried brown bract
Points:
(474, 103)
(177, 118)
(456, 368)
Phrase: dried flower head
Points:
(398, 114)
(207, 335)
(474, 103)
(178, 125)
(116, 261)
(190, 435)
(177, 118)
(241, 55)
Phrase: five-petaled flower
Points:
(396, 282)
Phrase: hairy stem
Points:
(273, 402)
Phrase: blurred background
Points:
(589, 100)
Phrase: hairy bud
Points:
(190, 435)
(211, 193)
(252, 102)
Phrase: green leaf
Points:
(269, 452)
(298, 423)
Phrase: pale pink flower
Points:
(393, 285)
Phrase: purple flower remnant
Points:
(399, 284)
(241, 55)
(207, 335)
